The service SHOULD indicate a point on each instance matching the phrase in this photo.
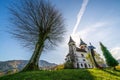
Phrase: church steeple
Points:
(71, 40)
(72, 46)
(82, 42)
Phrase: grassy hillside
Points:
(68, 74)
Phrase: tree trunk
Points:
(92, 53)
(33, 63)
(114, 68)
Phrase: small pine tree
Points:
(110, 60)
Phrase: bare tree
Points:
(37, 24)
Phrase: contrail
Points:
(80, 14)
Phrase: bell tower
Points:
(72, 46)
(82, 45)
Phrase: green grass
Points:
(68, 74)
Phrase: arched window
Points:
(82, 55)
(83, 59)
(77, 65)
(81, 65)
(89, 65)
(85, 65)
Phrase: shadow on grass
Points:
(112, 72)
(117, 70)
(84, 74)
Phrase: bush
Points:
(59, 67)
(118, 67)
(68, 65)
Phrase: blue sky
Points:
(99, 22)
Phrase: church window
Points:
(83, 59)
(85, 65)
(77, 65)
(89, 65)
(81, 65)
(82, 55)
(77, 59)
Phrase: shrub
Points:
(68, 65)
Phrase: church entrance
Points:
(85, 65)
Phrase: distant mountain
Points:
(19, 64)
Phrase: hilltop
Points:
(67, 74)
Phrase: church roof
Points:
(91, 46)
(80, 50)
(71, 40)
(82, 42)
(68, 54)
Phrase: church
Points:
(82, 55)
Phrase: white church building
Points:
(82, 55)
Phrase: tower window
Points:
(82, 55)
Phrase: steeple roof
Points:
(91, 46)
(71, 40)
(82, 42)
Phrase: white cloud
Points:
(90, 30)
(116, 52)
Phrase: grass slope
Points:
(68, 74)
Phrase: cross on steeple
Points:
(91, 46)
